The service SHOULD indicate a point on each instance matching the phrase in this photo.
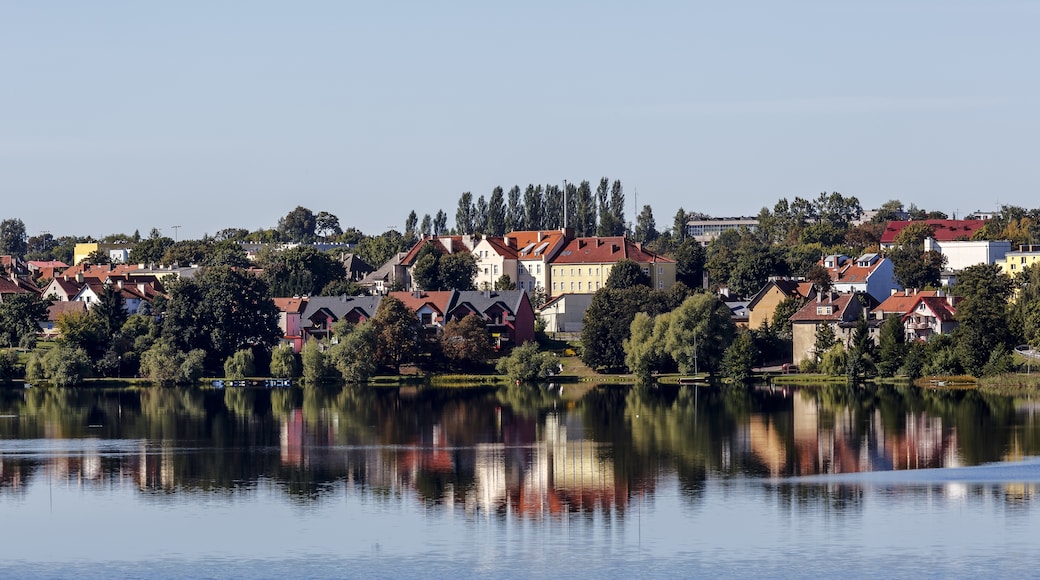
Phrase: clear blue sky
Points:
(117, 116)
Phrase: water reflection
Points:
(517, 452)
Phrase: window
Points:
(554, 286)
(572, 271)
(579, 286)
(660, 270)
(824, 310)
(539, 267)
(427, 318)
(579, 271)
(660, 284)
(597, 285)
(572, 286)
(496, 269)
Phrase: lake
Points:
(518, 482)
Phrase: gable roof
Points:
(290, 305)
(939, 306)
(943, 230)
(839, 312)
(438, 300)
(57, 309)
(902, 301)
(606, 250)
(848, 271)
(786, 286)
(7, 286)
(340, 306)
(446, 244)
(538, 244)
(482, 301)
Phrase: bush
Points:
(315, 366)
(284, 363)
(193, 366)
(8, 366)
(240, 365)
(161, 363)
(835, 361)
(526, 363)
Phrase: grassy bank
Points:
(1011, 384)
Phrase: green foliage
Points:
(284, 363)
(1000, 362)
(110, 311)
(646, 228)
(861, 353)
(378, 250)
(608, 320)
(315, 366)
(626, 274)
(161, 363)
(700, 331)
(645, 347)
(397, 333)
(834, 361)
(192, 367)
(983, 315)
(186, 252)
(740, 358)
(298, 225)
(781, 322)
(300, 271)
(13, 240)
(150, 250)
(892, 347)
(82, 330)
(689, 263)
(355, 355)
(20, 316)
(8, 366)
(457, 271)
(64, 366)
(240, 365)
(466, 342)
(824, 339)
(221, 311)
(504, 282)
(526, 363)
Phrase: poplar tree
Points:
(496, 214)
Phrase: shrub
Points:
(526, 363)
(240, 365)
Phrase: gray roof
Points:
(339, 306)
(482, 300)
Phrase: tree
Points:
(13, 240)
(892, 346)
(426, 272)
(820, 277)
(915, 268)
(326, 223)
(646, 229)
(284, 363)
(504, 282)
(298, 225)
(466, 341)
(533, 208)
(982, 315)
(464, 214)
(527, 364)
(608, 321)
(315, 366)
(496, 214)
(299, 271)
(440, 226)
(861, 356)
(689, 263)
(584, 211)
(220, 311)
(225, 253)
(380, 249)
(240, 365)
(457, 271)
(825, 339)
(355, 354)
(781, 322)
(701, 330)
(426, 228)
(480, 216)
(110, 311)
(397, 333)
(150, 251)
(66, 365)
(627, 273)
(185, 252)
(644, 349)
(81, 330)
(739, 358)
(20, 316)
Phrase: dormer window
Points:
(824, 310)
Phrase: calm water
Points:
(521, 482)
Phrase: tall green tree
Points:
(457, 271)
(861, 353)
(397, 333)
(220, 311)
(480, 216)
(298, 225)
(110, 311)
(533, 203)
(13, 239)
(466, 342)
(626, 274)
(327, 224)
(496, 213)
(892, 347)
(355, 354)
(825, 339)
(646, 228)
(740, 357)
(299, 271)
(982, 314)
(440, 224)
(514, 210)
(465, 221)
(701, 330)
(690, 257)
(608, 322)
(20, 317)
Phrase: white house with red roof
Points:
(931, 315)
(942, 230)
(535, 250)
(495, 256)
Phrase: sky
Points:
(122, 116)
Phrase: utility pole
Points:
(175, 228)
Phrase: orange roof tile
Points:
(606, 250)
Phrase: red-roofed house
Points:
(942, 230)
(444, 244)
(535, 251)
(584, 264)
(46, 268)
(289, 314)
(495, 257)
(931, 315)
(840, 311)
(899, 303)
(764, 303)
(430, 307)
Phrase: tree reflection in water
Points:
(517, 451)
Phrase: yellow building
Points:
(584, 265)
(1015, 262)
(81, 251)
(764, 304)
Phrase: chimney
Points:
(79, 277)
(417, 294)
(539, 236)
(119, 283)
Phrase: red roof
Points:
(942, 230)
(290, 305)
(439, 300)
(446, 244)
(939, 305)
(605, 251)
(903, 301)
(839, 302)
(541, 242)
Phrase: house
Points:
(535, 251)
(46, 269)
(134, 294)
(117, 253)
(392, 275)
(963, 253)
(898, 303)
(566, 312)
(764, 303)
(931, 315)
(49, 327)
(355, 267)
(1015, 262)
(443, 244)
(584, 265)
(12, 285)
(870, 273)
(431, 308)
(942, 230)
(290, 313)
(62, 289)
(495, 257)
(840, 311)
(100, 271)
(321, 312)
(508, 314)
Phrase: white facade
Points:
(566, 313)
(492, 264)
(961, 254)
